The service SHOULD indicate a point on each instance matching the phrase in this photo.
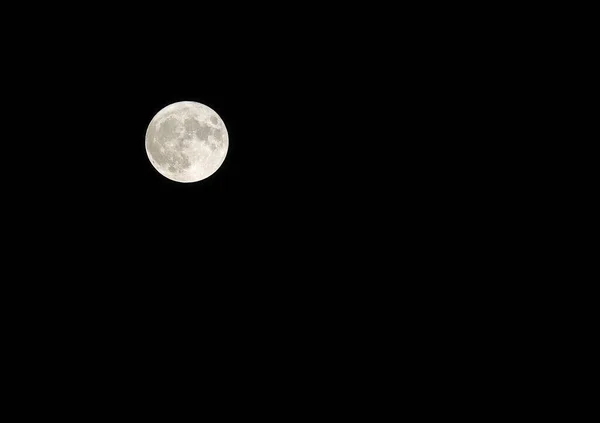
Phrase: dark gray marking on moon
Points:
(192, 125)
(203, 132)
(167, 131)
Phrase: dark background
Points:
(349, 217)
(343, 184)
(351, 238)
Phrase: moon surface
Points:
(187, 141)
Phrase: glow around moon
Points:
(187, 141)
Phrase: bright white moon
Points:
(187, 141)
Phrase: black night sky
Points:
(351, 205)
(337, 174)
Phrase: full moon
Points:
(186, 141)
